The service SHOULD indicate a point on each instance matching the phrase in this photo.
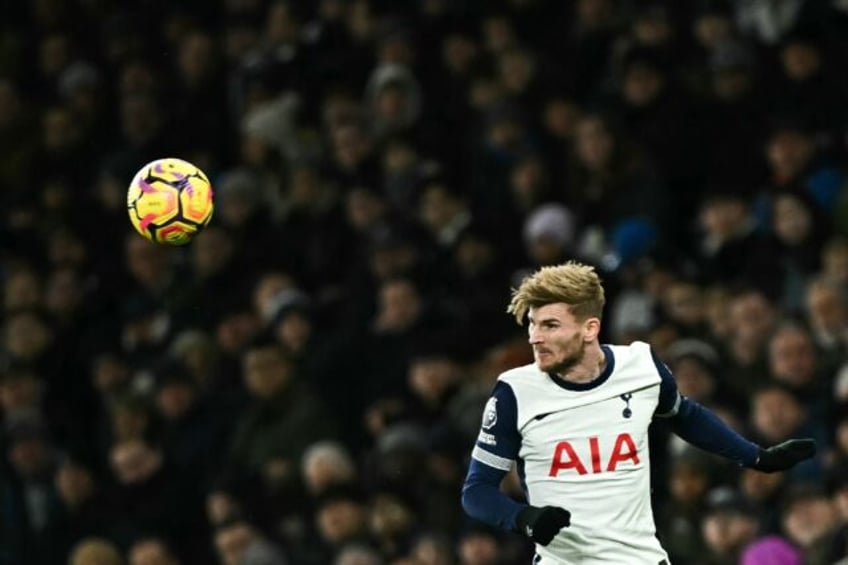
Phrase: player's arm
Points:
(702, 428)
(493, 455)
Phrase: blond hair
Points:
(572, 283)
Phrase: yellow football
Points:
(170, 201)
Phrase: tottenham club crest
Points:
(490, 414)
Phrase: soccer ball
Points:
(170, 201)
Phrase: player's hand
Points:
(785, 455)
(542, 524)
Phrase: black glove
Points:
(785, 455)
(542, 524)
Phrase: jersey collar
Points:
(602, 378)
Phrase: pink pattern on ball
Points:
(146, 221)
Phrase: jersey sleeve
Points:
(699, 426)
(670, 399)
(496, 448)
(498, 442)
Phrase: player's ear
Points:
(591, 329)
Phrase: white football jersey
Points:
(583, 447)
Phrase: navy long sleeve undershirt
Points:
(699, 426)
(702, 428)
(482, 498)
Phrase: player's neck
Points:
(590, 367)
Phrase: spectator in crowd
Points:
(326, 464)
(826, 309)
(84, 507)
(239, 543)
(689, 483)
(31, 460)
(777, 412)
(357, 554)
(810, 521)
(478, 546)
(607, 169)
(695, 366)
(728, 241)
(765, 492)
(793, 361)
(805, 83)
(342, 518)
(753, 317)
(730, 523)
(281, 421)
(95, 551)
(734, 84)
(151, 551)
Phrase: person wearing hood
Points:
(393, 97)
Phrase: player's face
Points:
(558, 339)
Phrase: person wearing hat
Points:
(550, 233)
(729, 524)
(393, 97)
(292, 323)
(341, 515)
(695, 364)
(190, 427)
(810, 521)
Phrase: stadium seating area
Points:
(303, 383)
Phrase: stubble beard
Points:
(564, 366)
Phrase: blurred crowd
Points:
(302, 384)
